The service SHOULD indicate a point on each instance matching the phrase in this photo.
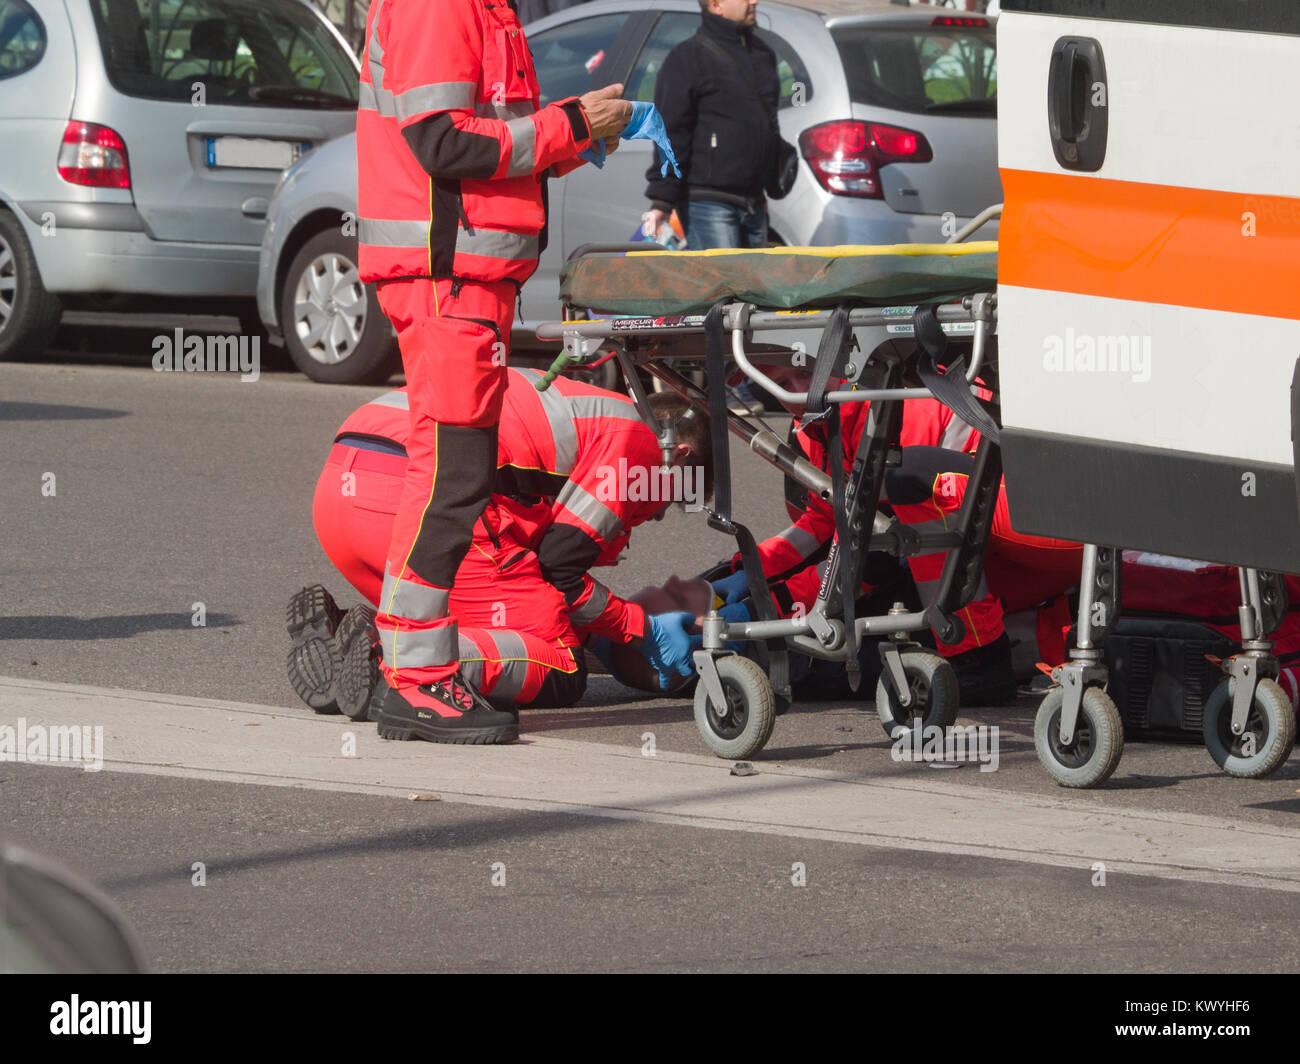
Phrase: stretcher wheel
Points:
(935, 695)
(1270, 730)
(742, 727)
(1098, 742)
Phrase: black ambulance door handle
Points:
(1078, 103)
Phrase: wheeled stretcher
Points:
(927, 311)
(666, 312)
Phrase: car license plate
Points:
(255, 153)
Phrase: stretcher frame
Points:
(829, 630)
(1077, 721)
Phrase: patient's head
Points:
(628, 665)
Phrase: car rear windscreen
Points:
(929, 69)
(274, 53)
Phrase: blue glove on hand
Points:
(646, 124)
(668, 645)
(732, 588)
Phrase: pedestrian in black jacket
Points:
(717, 92)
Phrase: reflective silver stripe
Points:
(956, 435)
(425, 99)
(391, 233)
(488, 243)
(496, 244)
(375, 54)
(801, 540)
(418, 649)
(397, 399)
(559, 415)
(523, 142)
(586, 507)
(471, 668)
(593, 607)
(367, 98)
(513, 659)
(504, 111)
(415, 602)
(603, 407)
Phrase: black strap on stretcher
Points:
(964, 567)
(949, 387)
(772, 653)
(832, 356)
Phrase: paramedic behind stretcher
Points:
(721, 132)
(577, 469)
(925, 491)
(453, 154)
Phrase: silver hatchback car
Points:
(142, 140)
(894, 112)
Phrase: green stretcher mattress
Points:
(690, 282)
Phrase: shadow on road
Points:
(120, 627)
(54, 412)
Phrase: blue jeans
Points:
(713, 224)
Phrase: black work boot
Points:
(449, 711)
(357, 678)
(311, 620)
(985, 676)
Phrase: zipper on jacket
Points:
(713, 140)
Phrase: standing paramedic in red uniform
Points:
(453, 153)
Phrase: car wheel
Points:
(29, 315)
(334, 329)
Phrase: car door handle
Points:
(255, 206)
(1078, 103)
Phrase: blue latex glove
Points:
(732, 588)
(668, 645)
(646, 124)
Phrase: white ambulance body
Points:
(1149, 273)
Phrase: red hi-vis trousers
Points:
(454, 341)
(1019, 570)
(514, 639)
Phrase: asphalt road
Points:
(172, 490)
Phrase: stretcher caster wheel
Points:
(1094, 751)
(741, 728)
(935, 695)
(1269, 736)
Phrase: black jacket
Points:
(721, 134)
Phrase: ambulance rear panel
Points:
(1149, 273)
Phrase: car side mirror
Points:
(52, 920)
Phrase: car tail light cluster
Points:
(970, 21)
(846, 156)
(93, 155)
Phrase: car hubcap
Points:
(329, 308)
(8, 283)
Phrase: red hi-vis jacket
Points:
(452, 150)
(789, 556)
(577, 470)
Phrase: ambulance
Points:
(1149, 326)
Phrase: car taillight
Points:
(960, 20)
(93, 155)
(846, 156)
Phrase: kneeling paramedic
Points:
(577, 470)
(925, 491)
